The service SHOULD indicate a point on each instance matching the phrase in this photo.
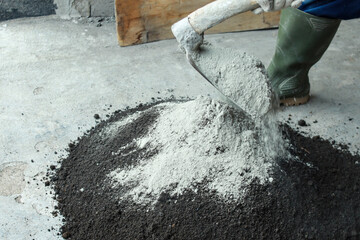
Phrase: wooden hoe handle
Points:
(218, 11)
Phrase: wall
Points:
(10, 9)
(85, 8)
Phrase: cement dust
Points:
(205, 142)
(239, 76)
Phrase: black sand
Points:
(317, 202)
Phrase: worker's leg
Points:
(336, 9)
(302, 40)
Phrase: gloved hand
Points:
(275, 5)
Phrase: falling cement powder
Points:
(239, 76)
(198, 141)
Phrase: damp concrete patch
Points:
(12, 178)
(312, 193)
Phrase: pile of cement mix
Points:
(205, 139)
(312, 195)
(198, 140)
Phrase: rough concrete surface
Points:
(55, 75)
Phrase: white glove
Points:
(275, 5)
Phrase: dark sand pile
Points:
(314, 195)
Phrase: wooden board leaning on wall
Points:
(142, 21)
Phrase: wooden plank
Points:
(130, 27)
(142, 21)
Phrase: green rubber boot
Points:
(302, 41)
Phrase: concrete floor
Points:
(55, 75)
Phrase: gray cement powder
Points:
(239, 76)
(205, 140)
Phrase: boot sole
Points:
(294, 101)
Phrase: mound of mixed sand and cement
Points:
(196, 141)
(117, 183)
